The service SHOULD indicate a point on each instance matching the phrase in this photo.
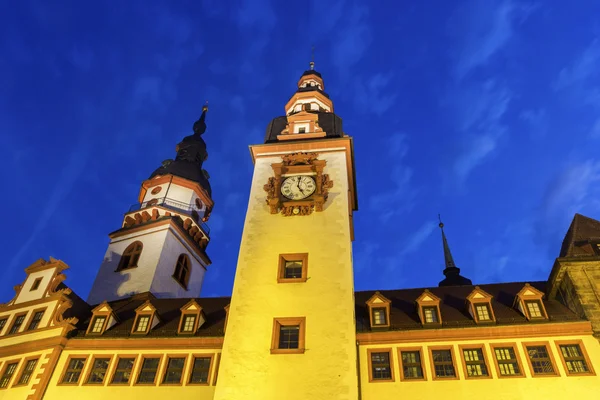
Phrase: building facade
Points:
(294, 327)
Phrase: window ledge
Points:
(287, 351)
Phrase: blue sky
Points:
(487, 112)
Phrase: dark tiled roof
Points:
(403, 310)
(169, 314)
(578, 240)
(329, 122)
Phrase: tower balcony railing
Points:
(177, 206)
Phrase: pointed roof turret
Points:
(191, 154)
(452, 272)
(582, 238)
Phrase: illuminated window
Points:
(36, 284)
(200, 370)
(182, 270)
(174, 370)
(483, 312)
(98, 372)
(574, 359)
(73, 371)
(27, 372)
(122, 373)
(8, 373)
(292, 267)
(188, 323)
(411, 365)
(35, 321)
(430, 315)
(288, 335)
(475, 362)
(130, 256)
(98, 324)
(379, 317)
(381, 368)
(508, 364)
(540, 360)
(148, 371)
(142, 323)
(534, 309)
(17, 324)
(443, 365)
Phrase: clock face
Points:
(298, 187)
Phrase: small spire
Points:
(447, 254)
(451, 272)
(312, 58)
(200, 126)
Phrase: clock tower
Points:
(292, 306)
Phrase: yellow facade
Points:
(494, 387)
(248, 368)
(133, 390)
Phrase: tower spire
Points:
(451, 271)
(312, 58)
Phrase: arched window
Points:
(130, 256)
(182, 270)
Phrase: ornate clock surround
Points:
(298, 163)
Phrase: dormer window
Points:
(379, 311)
(482, 312)
(529, 302)
(302, 130)
(429, 308)
(192, 318)
(430, 315)
(379, 317)
(480, 306)
(130, 256)
(102, 319)
(98, 324)
(182, 270)
(534, 308)
(145, 319)
(141, 324)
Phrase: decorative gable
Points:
(103, 318)
(529, 302)
(192, 318)
(43, 278)
(428, 308)
(479, 304)
(379, 311)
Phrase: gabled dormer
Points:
(192, 318)
(146, 318)
(103, 318)
(428, 306)
(379, 311)
(529, 302)
(479, 304)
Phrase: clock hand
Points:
(299, 188)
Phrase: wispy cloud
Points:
(575, 189)
(484, 30)
(373, 95)
(480, 110)
(401, 194)
(417, 238)
(352, 39)
(584, 67)
(537, 121)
